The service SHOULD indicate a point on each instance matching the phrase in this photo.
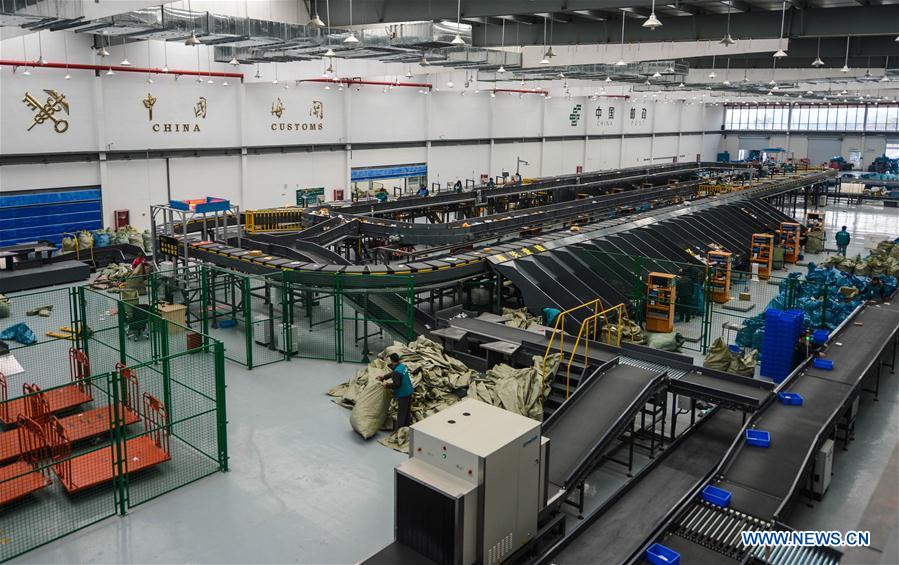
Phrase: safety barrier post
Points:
(410, 310)
(220, 408)
(166, 372)
(122, 331)
(117, 425)
(83, 328)
(286, 318)
(246, 298)
(707, 310)
(338, 317)
(204, 303)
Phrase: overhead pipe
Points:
(352, 81)
(520, 91)
(117, 68)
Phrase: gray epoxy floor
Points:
(303, 487)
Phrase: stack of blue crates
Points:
(782, 331)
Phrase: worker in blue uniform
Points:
(401, 383)
(423, 191)
(491, 183)
(843, 238)
(458, 186)
(382, 195)
(550, 315)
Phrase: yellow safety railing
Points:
(275, 219)
(559, 327)
(592, 324)
(74, 237)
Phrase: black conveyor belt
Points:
(620, 529)
(742, 392)
(587, 421)
(762, 479)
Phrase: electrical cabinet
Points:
(660, 300)
(822, 471)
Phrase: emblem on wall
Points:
(149, 102)
(317, 110)
(56, 103)
(575, 115)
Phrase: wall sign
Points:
(316, 115)
(56, 102)
(199, 110)
(575, 115)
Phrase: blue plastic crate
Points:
(658, 554)
(717, 496)
(758, 438)
(789, 398)
(823, 364)
(227, 323)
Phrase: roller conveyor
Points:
(618, 528)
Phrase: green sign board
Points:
(309, 196)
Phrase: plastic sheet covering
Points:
(19, 332)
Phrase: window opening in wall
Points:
(892, 150)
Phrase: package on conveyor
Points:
(520, 318)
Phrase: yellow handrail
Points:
(559, 326)
(594, 321)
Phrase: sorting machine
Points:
(663, 502)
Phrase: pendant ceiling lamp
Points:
(780, 53)
(818, 62)
(652, 21)
(728, 40)
(501, 68)
(545, 59)
(458, 39)
(621, 62)
(845, 68)
(351, 38)
(316, 21)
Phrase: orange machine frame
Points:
(660, 299)
(789, 233)
(718, 265)
(761, 251)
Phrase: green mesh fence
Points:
(112, 406)
(266, 319)
(702, 310)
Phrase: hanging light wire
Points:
(652, 22)
(65, 47)
(621, 62)
(458, 39)
(544, 60)
(351, 38)
(845, 68)
(728, 40)
(780, 53)
(502, 69)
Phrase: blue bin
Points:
(227, 323)
(789, 398)
(734, 348)
(716, 496)
(823, 364)
(658, 554)
(820, 336)
(758, 438)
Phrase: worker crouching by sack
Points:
(400, 382)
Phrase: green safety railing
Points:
(105, 373)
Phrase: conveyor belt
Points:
(762, 480)
(724, 388)
(615, 531)
(585, 425)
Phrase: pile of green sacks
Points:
(439, 381)
(108, 236)
(721, 357)
(883, 260)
